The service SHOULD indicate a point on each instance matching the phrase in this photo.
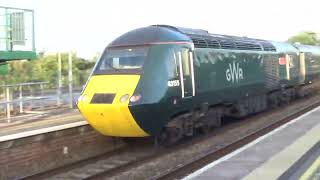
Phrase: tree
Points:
(46, 69)
(306, 37)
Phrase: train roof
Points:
(307, 48)
(283, 47)
(200, 38)
(150, 35)
(203, 39)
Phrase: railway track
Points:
(206, 158)
(146, 162)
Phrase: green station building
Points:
(17, 36)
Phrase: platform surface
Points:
(289, 152)
(32, 124)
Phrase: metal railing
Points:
(9, 100)
(14, 97)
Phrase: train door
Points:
(186, 72)
(302, 68)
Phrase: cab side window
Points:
(172, 64)
(176, 56)
(185, 62)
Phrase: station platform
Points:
(35, 143)
(37, 123)
(292, 151)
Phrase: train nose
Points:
(104, 104)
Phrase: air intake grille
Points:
(226, 44)
(268, 46)
(248, 45)
(199, 42)
(213, 43)
(230, 42)
(100, 98)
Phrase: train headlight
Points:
(82, 97)
(135, 98)
(124, 98)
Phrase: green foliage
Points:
(46, 69)
(4, 68)
(306, 37)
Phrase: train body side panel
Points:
(225, 76)
(152, 111)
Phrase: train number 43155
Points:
(173, 83)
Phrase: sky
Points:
(88, 26)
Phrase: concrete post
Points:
(41, 94)
(8, 105)
(59, 80)
(20, 98)
(70, 80)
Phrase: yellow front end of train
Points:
(105, 105)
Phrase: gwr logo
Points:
(234, 73)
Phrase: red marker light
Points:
(282, 61)
(135, 98)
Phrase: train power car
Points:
(167, 82)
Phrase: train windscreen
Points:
(122, 60)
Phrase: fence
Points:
(16, 97)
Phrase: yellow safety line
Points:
(311, 171)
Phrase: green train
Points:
(168, 82)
